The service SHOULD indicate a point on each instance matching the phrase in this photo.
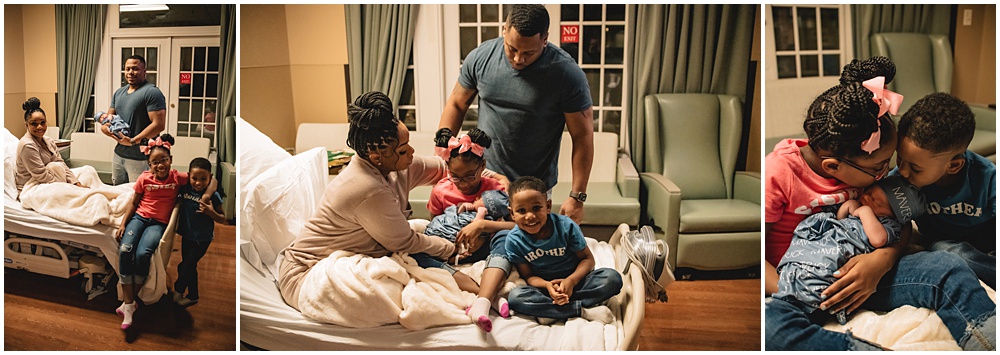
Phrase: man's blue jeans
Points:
(139, 242)
(936, 280)
(982, 263)
(600, 285)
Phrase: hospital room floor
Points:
(50, 313)
(705, 315)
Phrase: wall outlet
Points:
(967, 17)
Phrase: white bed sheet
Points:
(19, 220)
(267, 322)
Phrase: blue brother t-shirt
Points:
(192, 224)
(551, 258)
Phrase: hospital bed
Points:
(28, 223)
(279, 192)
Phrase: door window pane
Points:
(213, 58)
(807, 28)
(490, 13)
(592, 12)
(490, 32)
(467, 13)
(591, 41)
(614, 51)
(830, 31)
(569, 12)
(594, 79)
(187, 58)
(612, 121)
(612, 87)
(199, 58)
(831, 65)
(810, 65)
(786, 66)
(615, 12)
(467, 38)
(784, 35)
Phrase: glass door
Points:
(194, 88)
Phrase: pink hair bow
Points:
(887, 101)
(146, 149)
(465, 144)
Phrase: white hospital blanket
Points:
(267, 322)
(97, 204)
(904, 328)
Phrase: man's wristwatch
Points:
(579, 196)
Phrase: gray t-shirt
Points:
(134, 110)
(522, 111)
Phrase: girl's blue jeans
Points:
(599, 285)
(139, 242)
(936, 280)
(495, 256)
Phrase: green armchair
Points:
(708, 213)
(227, 171)
(924, 66)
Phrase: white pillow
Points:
(277, 204)
(9, 163)
(257, 154)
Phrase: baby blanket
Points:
(99, 203)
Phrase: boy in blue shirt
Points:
(960, 186)
(197, 225)
(551, 255)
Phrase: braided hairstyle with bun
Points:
(164, 137)
(373, 126)
(477, 136)
(842, 117)
(31, 106)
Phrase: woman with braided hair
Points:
(365, 208)
(851, 138)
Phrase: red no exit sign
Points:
(185, 78)
(570, 34)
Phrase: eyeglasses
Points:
(469, 178)
(160, 161)
(877, 174)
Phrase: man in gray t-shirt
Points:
(529, 90)
(143, 108)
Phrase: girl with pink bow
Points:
(146, 218)
(456, 197)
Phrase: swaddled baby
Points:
(492, 205)
(118, 125)
(823, 242)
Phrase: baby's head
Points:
(158, 154)
(200, 174)
(933, 137)
(466, 162)
(894, 197)
(529, 204)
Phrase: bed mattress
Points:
(267, 322)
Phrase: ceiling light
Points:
(143, 7)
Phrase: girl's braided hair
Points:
(372, 124)
(845, 115)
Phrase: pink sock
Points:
(500, 304)
(478, 312)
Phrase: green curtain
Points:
(684, 49)
(225, 143)
(872, 19)
(379, 41)
(79, 33)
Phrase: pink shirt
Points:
(792, 192)
(158, 197)
(445, 194)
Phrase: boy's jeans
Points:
(983, 264)
(139, 242)
(600, 285)
(187, 271)
(935, 280)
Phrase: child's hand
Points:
(203, 207)
(566, 287)
(558, 298)
(466, 206)
(468, 234)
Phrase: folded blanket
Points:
(359, 291)
(98, 203)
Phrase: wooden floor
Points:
(50, 313)
(705, 315)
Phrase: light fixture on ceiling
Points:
(143, 8)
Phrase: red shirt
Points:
(792, 192)
(158, 196)
(445, 194)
